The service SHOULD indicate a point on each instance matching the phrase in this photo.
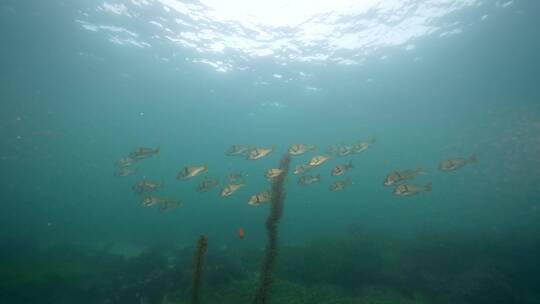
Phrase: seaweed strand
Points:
(198, 263)
(276, 211)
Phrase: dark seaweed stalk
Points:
(198, 263)
(276, 211)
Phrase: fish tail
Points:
(421, 171)
(157, 151)
(350, 165)
(371, 140)
(313, 148)
(427, 187)
(473, 159)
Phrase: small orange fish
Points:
(241, 233)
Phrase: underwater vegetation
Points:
(431, 268)
(277, 204)
(198, 263)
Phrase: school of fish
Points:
(400, 180)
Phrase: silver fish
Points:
(258, 153)
(362, 146)
(257, 199)
(145, 186)
(299, 149)
(341, 169)
(165, 203)
(238, 150)
(273, 173)
(309, 179)
(169, 205)
(410, 189)
(456, 163)
(150, 201)
(395, 177)
(207, 184)
(125, 162)
(234, 177)
(318, 160)
(340, 185)
(340, 150)
(230, 189)
(191, 171)
(300, 169)
(143, 152)
(127, 171)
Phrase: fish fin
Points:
(421, 171)
(473, 159)
(273, 147)
(371, 140)
(314, 148)
(427, 187)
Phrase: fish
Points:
(238, 150)
(233, 177)
(395, 177)
(332, 149)
(169, 205)
(272, 174)
(230, 189)
(344, 150)
(166, 204)
(318, 160)
(258, 153)
(257, 199)
(241, 233)
(456, 163)
(147, 186)
(341, 169)
(340, 150)
(125, 162)
(143, 152)
(127, 171)
(340, 185)
(410, 189)
(302, 168)
(191, 171)
(207, 184)
(150, 201)
(309, 179)
(299, 149)
(362, 146)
